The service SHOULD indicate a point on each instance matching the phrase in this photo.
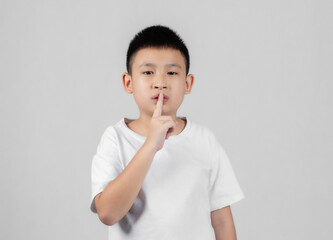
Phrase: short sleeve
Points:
(106, 164)
(224, 187)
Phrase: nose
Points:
(159, 82)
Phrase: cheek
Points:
(140, 84)
(180, 86)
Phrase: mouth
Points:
(155, 98)
(165, 97)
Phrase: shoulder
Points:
(113, 130)
(109, 132)
(108, 140)
(204, 132)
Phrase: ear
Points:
(189, 83)
(127, 82)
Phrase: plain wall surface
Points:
(263, 83)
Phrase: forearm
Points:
(119, 195)
(225, 231)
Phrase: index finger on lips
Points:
(159, 104)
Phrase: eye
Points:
(172, 73)
(147, 72)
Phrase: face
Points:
(157, 70)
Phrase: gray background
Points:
(263, 83)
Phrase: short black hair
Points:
(156, 36)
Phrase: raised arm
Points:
(119, 195)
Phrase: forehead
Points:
(158, 56)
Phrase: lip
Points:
(164, 100)
(155, 98)
(165, 97)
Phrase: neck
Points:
(141, 125)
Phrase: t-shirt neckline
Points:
(183, 133)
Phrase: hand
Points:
(160, 126)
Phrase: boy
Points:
(161, 176)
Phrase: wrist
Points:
(149, 147)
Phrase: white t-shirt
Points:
(188, 178)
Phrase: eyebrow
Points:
(166, 65)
